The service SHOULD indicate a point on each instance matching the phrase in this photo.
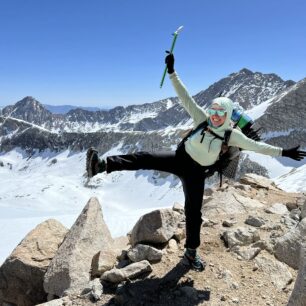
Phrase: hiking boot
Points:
(194, 260)
(93, 164)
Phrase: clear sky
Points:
(111, 52)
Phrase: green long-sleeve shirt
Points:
(207, 152)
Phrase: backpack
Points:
(227, 163)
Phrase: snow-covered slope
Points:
(293, 181)
(51, 185)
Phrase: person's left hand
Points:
(294, 153)
(169, 60)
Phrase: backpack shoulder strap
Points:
(227, 135)
(202, 126)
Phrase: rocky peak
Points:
(28, 109)
(246, 87)
(283, 121)
(246, 71)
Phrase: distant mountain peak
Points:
(246, 71)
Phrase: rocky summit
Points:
(252, 240)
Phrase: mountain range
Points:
(157, 125)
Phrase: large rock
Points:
(277, 271)
(129, 272)
(70, 268)
(257, 181)
(287, 247)
(228, 202)
(158, 226)
(298, 295)
(144, 252)
(22, 274)
(240, 236)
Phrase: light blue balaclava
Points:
(226, 104)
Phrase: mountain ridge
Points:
(246, 87)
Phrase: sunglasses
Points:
(219, 112)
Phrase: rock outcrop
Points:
(70, 269)
(288, 247)
(22, 274)
(155, 227)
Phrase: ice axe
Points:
(175, 34)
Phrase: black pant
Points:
(180, 164)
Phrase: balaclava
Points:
(226, 104)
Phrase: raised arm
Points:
(238, 139)
(193, 109)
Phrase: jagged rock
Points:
(178, 208)
(103, 261)
(70, 268)
(257, 181)
(157, 226)
(277, 208)
(298, 295)
(144, 252)
(131, 271)
(247, 253)
(240, 236)
(278, 272)
(287, 247)
(255, 221)
(22, 274)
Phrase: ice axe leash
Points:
(175, 34)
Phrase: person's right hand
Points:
(169, 60)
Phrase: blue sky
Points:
(108, 53)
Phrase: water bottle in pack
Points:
(240, 118)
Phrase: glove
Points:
(169, 60)
(294, 153)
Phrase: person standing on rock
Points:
(191, 159)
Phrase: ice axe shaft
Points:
(175, 34)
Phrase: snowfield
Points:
(50, 185)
